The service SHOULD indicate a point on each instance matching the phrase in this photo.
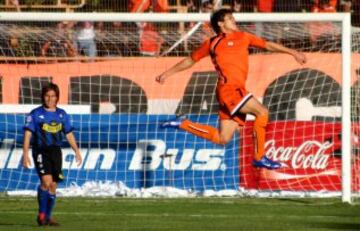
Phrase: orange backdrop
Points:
(264, 69)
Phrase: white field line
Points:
(217, 215)
(238, 201)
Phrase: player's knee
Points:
(262, 118)
(45, 185)
(263, 112)
(53, 187)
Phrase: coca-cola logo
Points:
(310, 154)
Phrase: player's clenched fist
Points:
(300, 57)
(160, 79)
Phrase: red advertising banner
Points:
(310, 154)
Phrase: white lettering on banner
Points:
(143, 151)
(95, 154)
(4, 151)
(310, 154)
(69, 158)
(305, 110)
(11, 158)
(184, 163)
(211, 159)
(149, 154)
(16, 157)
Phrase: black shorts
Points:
(48, 161)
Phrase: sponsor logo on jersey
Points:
(53, 127)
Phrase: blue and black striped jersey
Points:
(47, 127)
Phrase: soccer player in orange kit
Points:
(230, 56)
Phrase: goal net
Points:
(106, 72)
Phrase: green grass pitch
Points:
(18, 213)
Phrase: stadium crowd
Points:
(69, 39)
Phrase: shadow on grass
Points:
(297, 200)
(4, 225)
(336, 226)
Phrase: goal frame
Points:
(343, 18)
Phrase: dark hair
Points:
(47, 88)
(206, 3)
(322, 2)
(218, 16)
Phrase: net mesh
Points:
(131, 39)
(106, 73)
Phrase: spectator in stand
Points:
(150, 40)
(207, 6)
(236, 6)
(344, 6)
(243, 5)
(85, 39)
(321, 32)
(16, 4)
(10, 47)
(333, 3)
(59, 45)
(139, 6)
(281, 31)
(324, 6)
(206, 30)
(355, 17)
(117, 26)
(264, 6)
(263, 29)
(125, 46)
(100, 27)
(191, 6)
(287, 6)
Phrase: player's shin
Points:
(42, 200)
(259, 136)
(50, 205)
(204, 131)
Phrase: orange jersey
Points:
(230, 55)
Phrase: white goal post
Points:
(343, 18)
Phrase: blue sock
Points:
(42, 199)
(50, 205)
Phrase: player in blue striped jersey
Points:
(47, 125)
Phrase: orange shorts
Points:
(231, 98)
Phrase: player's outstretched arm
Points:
(71, 139)
(26, 146)
(180, 66)
(275, 47)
